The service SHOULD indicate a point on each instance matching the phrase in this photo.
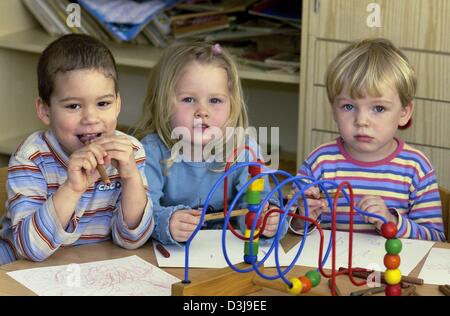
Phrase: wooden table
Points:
(107, 250)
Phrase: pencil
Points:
(410, 290)
(103, 174)
(219, 215)
(162, 250)
(322, 196)
(444, 289)
(365, 274)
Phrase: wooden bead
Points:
(314, 276)
(393, 246)
(250, 218)
(389, 230)
(247, 248)
(307, 284)
(391, 261)
(254, 170)
(253, 197)
(393, 290)
(392, 276)
(247, 235)
(250, 259)
(257, 185)
(297, 286)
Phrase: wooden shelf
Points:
(141, 56)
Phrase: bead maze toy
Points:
(248, 276)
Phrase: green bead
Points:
(253, 197)
(247, 248)
(314, 277)
(393, 246)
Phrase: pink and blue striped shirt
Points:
(405, 180)
(30, 228)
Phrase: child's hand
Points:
(120, 154)
(375, 205)
(183, 223)
(81, 171)
(316, 206)
(272, 221)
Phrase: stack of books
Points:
(245, 25)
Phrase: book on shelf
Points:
(284, 59)
(199, 25)
(287, 11)
(222, 6)
(271, 59)
(46, 17)
(155, 36)
(125, 19)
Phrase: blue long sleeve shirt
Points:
(186, 185)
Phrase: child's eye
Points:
(215, 101)
(73, 106)
(103, 104)
(379, 108)
(188, 100)
(347, 107)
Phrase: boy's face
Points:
(368, 125)
(83, 106)
(202, 101)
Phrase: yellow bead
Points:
(297, 286)
(393, 276)
(247, 234)
(257, 185)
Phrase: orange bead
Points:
(391, 261)
(307, 285)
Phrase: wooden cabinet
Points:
(420, 28)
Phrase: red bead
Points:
(393, 290)
(391, 261)
(254, 170)
(249, 218)
(307, 284)
(389, 230)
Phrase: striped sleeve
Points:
(35, 230)
(121, 234)
(424, 220)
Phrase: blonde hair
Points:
(157, 108)
(368, 67)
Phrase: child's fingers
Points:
(85, 160)
(98, 152)
(313, 192)
(369, 202)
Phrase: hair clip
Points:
(216, 49)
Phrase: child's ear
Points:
(406, 114)
(42, 110)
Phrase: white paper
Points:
(368, 251)
(436, 269)
(205, 251)
(126, 276)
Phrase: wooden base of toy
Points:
(219, 282)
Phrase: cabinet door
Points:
(418, 24)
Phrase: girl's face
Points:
(368, 125)
(201, 104)
(84, 106)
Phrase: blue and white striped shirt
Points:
(31, 229)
